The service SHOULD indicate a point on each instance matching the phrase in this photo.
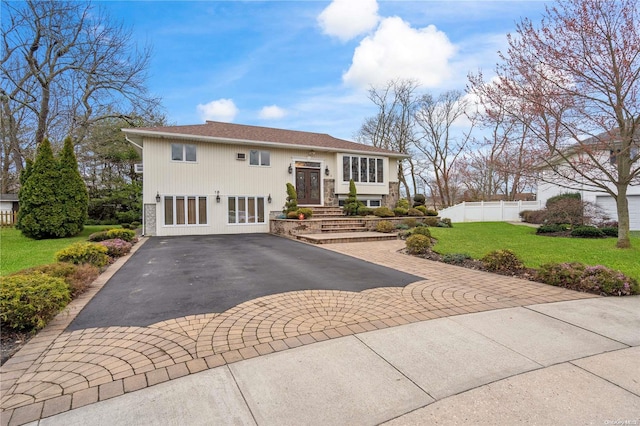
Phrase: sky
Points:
(307, 65)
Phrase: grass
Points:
(478, 239)
(19, 252)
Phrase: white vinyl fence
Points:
(488, 211)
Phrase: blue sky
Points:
(306, 65)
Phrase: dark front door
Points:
(308, 185)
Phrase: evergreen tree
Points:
(24, 175)
(73, 191)
(292, 200)
(41, 213)
(351, 204)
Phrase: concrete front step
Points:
(347, 237)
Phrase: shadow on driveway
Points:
(172, 277)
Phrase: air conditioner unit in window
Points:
(137, 168)
(241, 156)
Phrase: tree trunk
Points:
(622, 205)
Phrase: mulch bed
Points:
(11, 342)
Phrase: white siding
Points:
(217, 169)
(608, 204)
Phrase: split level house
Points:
(557, 176)
(223, 178)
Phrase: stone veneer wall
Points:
(150, 219)
(330, 197)
(394, 195)
(292, 227)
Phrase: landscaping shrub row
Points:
(32, 297)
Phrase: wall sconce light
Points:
(290, 169)
(269, 199)
(326, 170)
(157, 196)
(217, 196)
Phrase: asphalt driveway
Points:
(172, 277)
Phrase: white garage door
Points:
(609, 205)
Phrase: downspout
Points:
(144, 224)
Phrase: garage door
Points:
(608, 204)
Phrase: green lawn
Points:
(477, 239)
(18, 252)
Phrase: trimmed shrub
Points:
(423, 209)
(351, 204)
(116, 247)
(551, 229)
(502, 261)
(78, 253)
(291, 205)
(365, 211)
(77, 277)
(292, 215)
(123, 234)
(402, 226)
(587, 232)
(28, 302)
(445, 223)
(431, 221)
(594, 279)
(135, 225)
(419, 200)
(385, 226)
(456, 258)
(431, 212)
(305, 211)
(410, 222)
(610, 231)
(418, 244)
(415, 212)
(533, 216)
(98, 236)
(418, 230)
(383, 212)
(125, 225)
(565, 208)
(400, 211)
(403, 203)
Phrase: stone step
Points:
(346, 237)
(345, 229)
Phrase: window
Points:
(183, 152)
(367, 203)
(259, 158)
(246, 210)
(185, 210)
(362, 169)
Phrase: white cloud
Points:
(219, 110)
(396, 50)
(346, 19)
(271, 112)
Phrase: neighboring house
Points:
(222, 178)
(8, 208)
(551, 182)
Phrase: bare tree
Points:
(441, 143)
(65, 66)
(578, 75)
(393, 126)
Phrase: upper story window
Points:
(259, 158)
(183, 152)
(362, 169)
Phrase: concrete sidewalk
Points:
(573, 362)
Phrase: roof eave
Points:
(138, 135)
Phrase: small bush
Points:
(28, 302)
(292, 215)
(423, 209)
(403, 203)
(78, 253)
(383, 212)
(365, 211)
(444, 223)
(400, 211)
(124, 234)
(402, 226)
(565, 208)
(610, 231)
(414, 212)
(135, 225)
(410, 222)
(385, 226)
(594, 279)
(96, 237)
(419, 200)
(306, 212)
(456, 258)
(125, 225)
(116, 247)
(587, 232)
(431, 212)
(502, 261)
(421, 230)
(77, 277)
(551, 229)
(418, 244)
(431, 221)
(533, 216)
